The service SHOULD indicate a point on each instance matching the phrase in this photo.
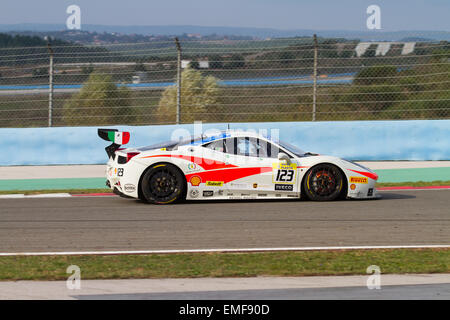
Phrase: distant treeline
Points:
(19, 50)
(8, 41)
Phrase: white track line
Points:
(220, 250)
(42, 195)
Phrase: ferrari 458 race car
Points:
(231, 165)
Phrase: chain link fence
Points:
(295, 79)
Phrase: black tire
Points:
(323, 182)
(163, 184)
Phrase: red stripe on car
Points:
(206, 164)
(370, 175)
(228, 175)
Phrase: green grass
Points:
(414, 184)
(299, 263)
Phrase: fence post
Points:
(50, 93)
(178, 80)
(315, 79)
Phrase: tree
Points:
(235, 61)
(374, 98)
(139, 67)
(194, 65)
(99, 102)
(286, 57)
(199, 96)
(87, 70)
(215, 62)
(40, 73)
(375, 75)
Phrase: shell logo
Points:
(195, 181)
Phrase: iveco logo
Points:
(284, 187)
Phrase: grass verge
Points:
(414, 184)
(86, 191)
(292, 263)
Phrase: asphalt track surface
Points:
(113, 223)
(417, 292)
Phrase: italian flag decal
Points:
(119, 137)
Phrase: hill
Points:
(261, 33)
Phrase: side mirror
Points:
(283, 156)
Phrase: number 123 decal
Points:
(286, 173)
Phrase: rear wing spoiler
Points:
(117, 138)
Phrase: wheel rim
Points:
(163, 184)
(323, 182)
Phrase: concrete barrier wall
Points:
(356, 140)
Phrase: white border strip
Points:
(32, 196)
(76, 253)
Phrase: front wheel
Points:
(323, 182)
(163, 184)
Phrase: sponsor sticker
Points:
(194, 193)
(129, 188)
(284, 187)
(265, 186)
(239, 185)
(359, 180)
(120, 172)
(192, 166)
(284, 173)
(208, 193)
(195, 181)
(214, 183)
(255, 185)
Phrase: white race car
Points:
(232, 165)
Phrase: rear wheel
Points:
(163, 184)
(323, 182)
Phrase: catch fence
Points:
(167, 82)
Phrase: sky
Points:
(279, 14)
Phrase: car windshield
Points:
(291, 148)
